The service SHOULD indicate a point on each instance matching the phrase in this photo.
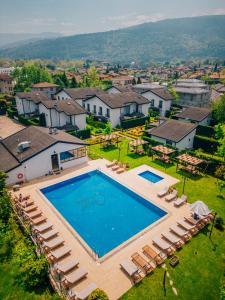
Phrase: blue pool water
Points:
(151, 176)
(103, 212)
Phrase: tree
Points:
(133, 81)
(139, 80)
(91, 79)
(219, 109)
(65, 80)
(73, 83)
(219, 132)
(173, 92)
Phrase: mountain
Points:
(184, 38)
(9, 40)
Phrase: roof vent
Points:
(50, 130)
(55, 130)
(68, 103)
(23, 146)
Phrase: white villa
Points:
(197, 115)
(48, 88)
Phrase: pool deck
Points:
(106, 273)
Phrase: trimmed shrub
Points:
(207, 144)
(150, 140)
(98, 294)
(82, 134)
(23, 120)
(207, 131)
(133, 122)
(219, 223)
(12, 112)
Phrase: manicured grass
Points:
(198, 276)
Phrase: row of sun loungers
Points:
(52, 245)
(117, 166)
(172, 196)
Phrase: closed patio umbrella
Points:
(200, 208)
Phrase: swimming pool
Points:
(102, 211)
(150, 176)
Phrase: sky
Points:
(70, 17)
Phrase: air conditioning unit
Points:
(23, 146)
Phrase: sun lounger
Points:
(121, 170)
(141, 262)
(43, 227)
(198, 223)
(33, 214)
(180, 201)
(50, 245)
(26, 203)
(164, 245)
(29, 208)
(117, 167)
(57, 254)
(163, 192)
(113, 163)
(63, 268)
(82, 295)
(173, 239)
(47, 235)
(182, 233)
(74, 277)
(171, 196)
(131, 269)
(158, 258)
(38, 220)
(191, 228)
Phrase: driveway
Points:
(8, 126)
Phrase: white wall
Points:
(25, 106)
(113, 90)
(62, 96)
(41, 164)
(166, 104)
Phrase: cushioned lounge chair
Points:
(171, 196)
(33, 214)
(180, 201)
(191, 228)
(131, 269)
(38, 220)
(30, 208)
(82, 295)
(141, 262)
(182, 233)
(53, 243)
(164, 245)
(173, 239)
(57, 254)
(74, 277)
(163, 192)
(47, 235)
(113, 163)
(63, 268)
(43, 227)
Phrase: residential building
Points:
(116, 107)
(197, 115)
(175, 133)
(7, 84)
(28, 103)
(6, 70)
(36, 151)
(122, 80)
(48, 88)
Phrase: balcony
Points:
(133, 115)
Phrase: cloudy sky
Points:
(83, 16)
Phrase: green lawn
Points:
(199, 273)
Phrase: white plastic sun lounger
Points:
(129, 267)
(67, 267)
(49, 245)
(82, 295)
(58, 253)
(171, 196)
(38, 220)
(180, 201)
(164, 245)
(175, 240)
(163, 192)
(187, 226)
(72, 278)
(47, 235)
(184, 234)
(43, 227)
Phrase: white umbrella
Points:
(200, 208)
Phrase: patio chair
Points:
(82, 295)
(30, 208)
(57, 254)
(26, 203)
(158, 258)
(182, 233)
(131, 269)
(52, 244)
(187, 226)
(171, 196)
(175, 240)
(63, 268)
(164, 246)
(163, 192)
(180, 201)
(74, 277)
(43, 227)
(33, 214)
(38, 220)
(141, 262)
(47, 235)
(113, 163)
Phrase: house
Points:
(175, 133)
(7, 71)
(28, 103)
(197, 115)
(118, 89)
(48, 88)
(7, 84)
(115, 107)
(122, 80)
(63, 113)
(220, 88)
(35, 151)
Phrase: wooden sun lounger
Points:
(47, 235)
(113, 163)
(74, 277)
(182, 233)
(175, 240)
(131, 269)
(57, 254)
(158, 258)
(191, 229)
(171, 196)
(38, 220)
(82, 295)
(163, 192)
(26, 203)
(66, 267)
(52, 244)
(141, 262)
(30, 208)
(164, 246)
(43, 227)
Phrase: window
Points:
(83, 105)
(127, 110)
(88, 107)
(160, 103)
(168, 142)
(72, 154)
(94, 109)
(100, 111)
(108, 113)
(152, 103)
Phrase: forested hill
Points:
(185, 38)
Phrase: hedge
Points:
(150, 140)
(12, 112)
(207, 131)
(133, 122)
(209, 145)
(82, 134)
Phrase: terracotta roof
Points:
(40, 139)
(172, 130)
(122, 99)
(82, 93)
(66, 106)
(194, 113)
(36, 97)
(44, 85)
(5, 77)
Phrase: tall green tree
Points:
(219, 109)
(73, 83)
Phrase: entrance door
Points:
(55, 162)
